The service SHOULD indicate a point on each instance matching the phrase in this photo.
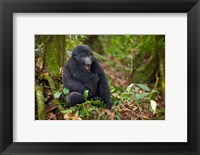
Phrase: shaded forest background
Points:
(134, 66)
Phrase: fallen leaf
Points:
(71, 117)
(153, 106)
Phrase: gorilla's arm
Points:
(104, 91)
(87, 78)
(78, 79)
(70, 82)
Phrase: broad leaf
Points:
(86, 92)
(69, 111)
(65, 91)
(85, 110)
(57, 94)
(141, 96)
(143, 87)
(118, 116)
(129, 88)
(96, 102)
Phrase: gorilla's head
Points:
(83, 54)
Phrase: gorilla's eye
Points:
(74, 55)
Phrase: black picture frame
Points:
(8, 7)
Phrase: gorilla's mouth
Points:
(87, 66)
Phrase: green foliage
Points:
(74, 40)
(115, 100)
(133, 93)
(140, 96)
(68, 111)
(118, 116)
(119, 46)
(96, 103)
(57, 94)
(85, 111)
(128, 89)
(143, 87)
(65, 91)
(146, 43)
(92, 102)
(86, 94)
(62, 91)
(137, 53)
(90, 109)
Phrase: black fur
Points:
(78, 79)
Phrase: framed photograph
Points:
(104, 77)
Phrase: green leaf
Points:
(145, 94)
(65, 91)
(143, 87)
(161, 111)
(85, 110)
(115, 102)
(141, 96)
(57, 94)
(124, 94)
(86, 92)
(69, 111)
(129, 88)
(112, 90)
(150, 109)
(118, 116)
(82, 114)
(77, 113)
(97, 103)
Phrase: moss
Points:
(40, 103)
(55, 54)
(53, 90)
(146, 72)
(162, 72)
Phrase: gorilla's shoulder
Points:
(70, 60)
(68, 63)
(71, 64)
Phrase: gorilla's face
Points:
(83, 54)
(86, 60)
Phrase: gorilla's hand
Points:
(96, 98)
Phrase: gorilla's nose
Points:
(88, 61)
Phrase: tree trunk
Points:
(55, 53)
(146, 72)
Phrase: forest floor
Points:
(130, 100)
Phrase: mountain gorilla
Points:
(83, 72)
